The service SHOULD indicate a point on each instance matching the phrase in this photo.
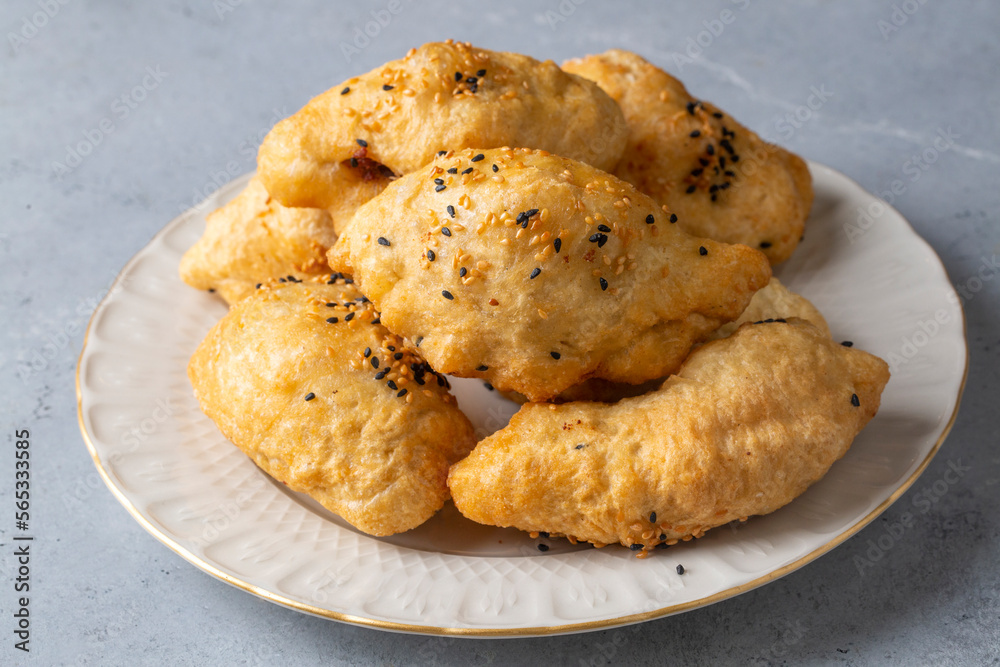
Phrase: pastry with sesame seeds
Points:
(253, 239)
(343, 147)
(541, 276)
(305, 395)
(747, 425)
(723, 181)
(773, 302)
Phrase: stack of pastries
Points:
(588, 238)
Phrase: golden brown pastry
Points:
(722, 180)
(535, 272)
(253, 239)
(775, 301)
(321, 397)
(772, 302)
(349, 142)
(747, 425)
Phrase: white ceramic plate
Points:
(877, 282)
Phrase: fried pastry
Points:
(347, 144)
(535, 272)
(774, 301)
(322, 397)
(747, 425)
(252, 239)
(722, 180)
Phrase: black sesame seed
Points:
(736, 158)
(383, 241)
(332, 320)
(725, 186)
(368, 352)
(652, 517)
(481, 72)
(765, 244)
(446, 231)
(603, 228)
(534, 273)
(451, 210)
(580, 446)
(397, 356)
(543, 547)
(730, 174)
(401, 394)
(650, 219)
(282, 280)
(257, 286)
(354, 162)
(381, 374)
(430, 255)
(462, 272)
(453, 170)
(680, 569)
(392, 348)
(715, 197)
(310, 396)
(458, 76)
(387, 87)
(331, 305)
(710, 149)
(467, 171)
(702, 251)
(496, 168)
(374, 362)
(663, 536)
(728, 146)
(478, 158)
(482, 367)
(690, 189)
(697, 172)
(446, 294)
(361, 142)
(855, 401)
(673, 217)
(348, 317)
(439, 188)
(377, 320)
(472, 79)
(557, 244)
(848, 343)
(781, 319)
(439, 181)
(345, 91)
(555, 355)
(714, 188)
(717, 114)
(695, 134)
(488, 386)
(635, 547)
(391, 385)
(604, 284)
(690, 108)
(440, 153)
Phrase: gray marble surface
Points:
(173, 98)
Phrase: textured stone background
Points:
(109, 593)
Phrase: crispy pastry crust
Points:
(253, 239)
(747, 425)
(296, 393)
(545, 272)
(392, 120)
(744, 190)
